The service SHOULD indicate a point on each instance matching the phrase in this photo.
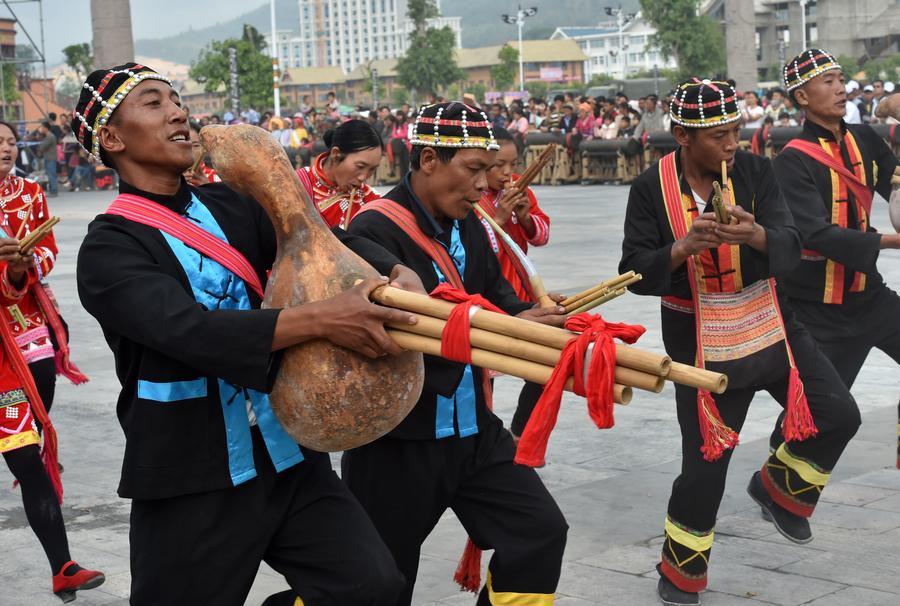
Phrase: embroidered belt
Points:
(737, 325)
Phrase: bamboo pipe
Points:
(37, 235)
(537, 285)
(525, 350)
(605, 285)
(535, 168)
(597, 302)
(516, 327)
(530, 371)
(24, 221)
(602, 296)
(697, 377)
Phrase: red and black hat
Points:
(453, 124)
(704, 104)
(806, 66)
(101, 94)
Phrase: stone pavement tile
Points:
(857, 596)
(613, 512)
(888, 477)
(631, 559)
(850, 543)
(845, 493)
(869, 570)
(891, 503)
(599, 586)
(746, 523)
(864, 520)
(558, 475)
(760, 554)
(435, 580)
(728, 576)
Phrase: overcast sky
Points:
(69, 22)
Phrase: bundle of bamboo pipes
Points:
(597, 295)
(534, 169)
(529, 350)
(29, 241)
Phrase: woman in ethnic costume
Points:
(28, 370)
(336, 179)
(520, 216)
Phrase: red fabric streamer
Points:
(456, 344)
(64, 366)
(597, 384)
(20, 366)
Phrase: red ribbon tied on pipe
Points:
(595, 382)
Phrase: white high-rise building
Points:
(617, 53)
(350, 32)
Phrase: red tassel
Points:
(717, 436)
(468, 573)
(798, 423)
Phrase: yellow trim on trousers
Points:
(807, 472)
(511, 598)
(691, 541)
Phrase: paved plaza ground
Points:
(612, 485)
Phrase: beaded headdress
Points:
(453, 124)
(101, 94)
(704, 104)
(806, 66)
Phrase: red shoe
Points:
(65, 586)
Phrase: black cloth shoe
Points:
(672, 596)
(793, 527)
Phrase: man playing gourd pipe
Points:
(216, 484)
(452, 451)
(517, 213)
(743, 328)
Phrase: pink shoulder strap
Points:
(146, 212)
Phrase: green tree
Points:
(254, 68)
(504, 73)
(537, 88)
(79, 58)
(420, 11)
(600, 80)
(695, 41)
(430, 62)
(477, 90)
(400, 95)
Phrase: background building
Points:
(857, 28)
(349, 33)
(614, 53)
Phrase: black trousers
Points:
(206, 548)
(528, 399)
(406, 485)
(44, 374)
(847, 333)
(697, 492)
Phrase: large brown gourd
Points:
(327, 398)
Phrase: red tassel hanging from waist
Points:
(798, 423)
(468, 573)
(717, 436)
